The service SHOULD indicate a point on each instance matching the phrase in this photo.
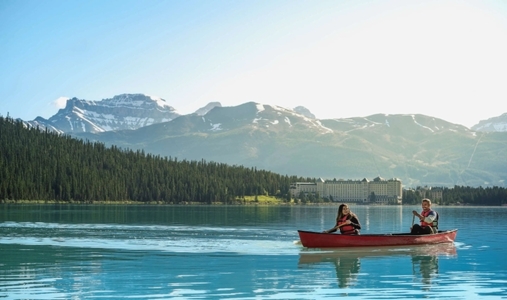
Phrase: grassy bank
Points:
(247, 200)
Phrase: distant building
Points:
(379, 190)
(434, 193)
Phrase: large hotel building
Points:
(379, 190)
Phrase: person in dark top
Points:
(346, 221)
(428, 219)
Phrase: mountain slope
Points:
(418, 149)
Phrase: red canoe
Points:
(311, 239)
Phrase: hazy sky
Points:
(446, 59)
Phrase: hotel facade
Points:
(380, 191)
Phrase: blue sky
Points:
(339, 59)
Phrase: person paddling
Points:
(428, 219)
(346, 221)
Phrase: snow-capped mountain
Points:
(495, 124)
(122, 112)
(133, 111)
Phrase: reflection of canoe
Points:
(311, 257)
(311, 239)
(348, 261)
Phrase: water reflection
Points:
(425, 261)
(347, 269)
(426, 266)
(347, 261)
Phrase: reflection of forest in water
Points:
(347, 261)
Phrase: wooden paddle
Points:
(337, 227)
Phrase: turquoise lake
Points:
(241, 252)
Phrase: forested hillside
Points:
(36, 165)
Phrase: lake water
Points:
(240, 252)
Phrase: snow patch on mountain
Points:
(323, 127)
(425, 127)
(216, 127)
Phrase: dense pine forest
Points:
(37, 165)
(41, 165)
(461, 195)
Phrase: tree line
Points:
(42, 165)
(461, 195)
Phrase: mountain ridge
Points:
(138, 110)
(418, 149)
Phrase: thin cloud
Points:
(60, 102)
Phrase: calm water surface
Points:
(237, 252)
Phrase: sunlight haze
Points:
(339, 59)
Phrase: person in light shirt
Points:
(428, 219)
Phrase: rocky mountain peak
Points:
(304, 111)
(122, 112)
(204, 110)
(495, 124)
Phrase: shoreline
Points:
(234, 203)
